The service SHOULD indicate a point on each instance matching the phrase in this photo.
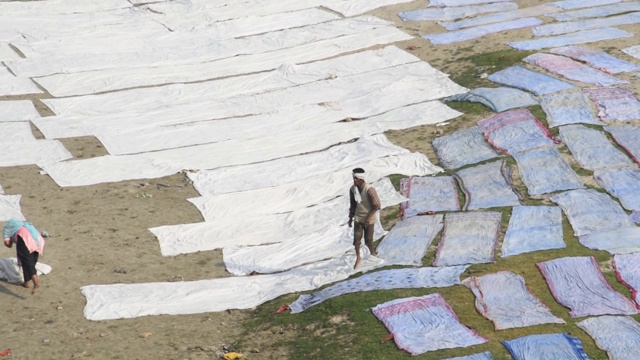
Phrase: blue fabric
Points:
(529, 80)
(579, 37)
(12, 226)
(546, 346)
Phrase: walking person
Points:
(29, 245)
(364, 204)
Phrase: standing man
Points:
(29, 244)
(364, 206)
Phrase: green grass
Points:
(487, 63)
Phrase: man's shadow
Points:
(5, 289)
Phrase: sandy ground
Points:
(99, 236)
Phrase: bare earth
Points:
(99, 236)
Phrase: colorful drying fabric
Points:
(572, 69)
(596, 58)
(590, 211)
(615, 104)
(425, 277)
(628, 272)
(568, 108)
(529, 80)
(619, 336)
(578, 283)
(468, 238)
(533, 228)
(428, 193)
(515, 131)
(591, 148)
(546, 346)
(624, 240)
(453, 13)
(485, 187)
(597, 11)
(408, 241)
(627, 137)
(544, 171)
(480, 31)
(425, 323)
(497, 99)
(504, 299)
(622, 183)
(463, 147)
(479, 356)
(578, 37)
(588, 24)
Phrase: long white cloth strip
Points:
(11, 272)
(504, 299)
(7, 53)
(288, 197)
(461, 2)
(424, 277)
(407, 242)
(38, 152)
(18, 110)
(52, 7)
(538, 10)
(161, 163)
(619, 336)
(10, 207)
(120, 301)
(578, 37)
(597, 12)
(13, 85)
(357, 7)
(154, 98)
(262, 229)
(568, 27)
(147, 41)
(577, 4)
(15, 132)
(366, 150)
(200, 48)
(117, 79)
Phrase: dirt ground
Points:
(99, 236)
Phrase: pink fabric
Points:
(29, 241)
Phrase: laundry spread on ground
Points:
(10, 207)
(480, 31)
(626, 136)
(598, 59)
(578, 283)
(568, 108)
(514, 131)
(590, 211)
(578, 37)
(463, 147)
(479, 356)
(468, 238)
(573, 26)
(546, 346)
(407, 242)
(597, 11)
(623, 240)
(424, 277)
(497, 99)
(627, 268)
(622, 183)
(615, 104)
(428, 193)
(17, 110)
(425, 323)
(619, 336)
(13, 85)
(591, 148)
(572, 70)
(504, 299)
(455, 12)
(538, 10)
(528, 80)
(633, 51)
(12, 273)
(485, 187)
(533, 228)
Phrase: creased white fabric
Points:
(619, 336)
(622, 240)
(628, 271)
(11, 272)
(486, 187)
(10, 207)
(408, 241)
(533, 228)
(18, 110)
(13, 85)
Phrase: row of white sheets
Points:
(20, 147)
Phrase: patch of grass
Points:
(468, 107)
(395, 180)
(487, 63)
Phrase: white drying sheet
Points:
(619, 336)
(17, 110)
(623, 240)
(161, 163)
(289, 197)
(590, 211)
(119, 301)
(23, 149)
(623, 183)
(504, 299)
(578, 284)
(408, 241)
(286, 75)
(90, 82)
(425, 277)
(13, 85)
(11, 272)
(533, 228)
(10, 207)
(485, 186)
(366, 151)
(633, 51)
(21, 8)
(544, 171)
(7, 53)
(628, 272)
